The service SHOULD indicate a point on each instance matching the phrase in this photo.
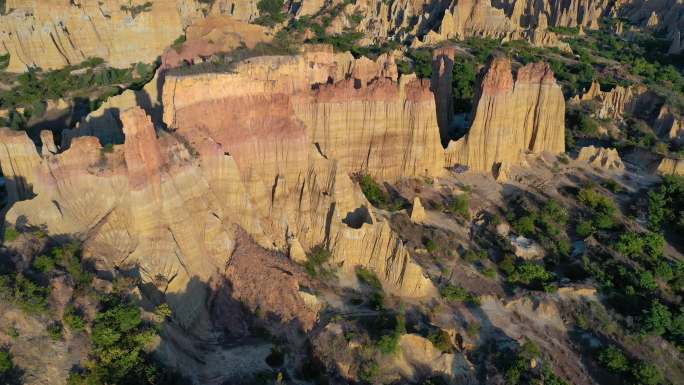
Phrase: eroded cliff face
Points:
(54, 33)
(434, 21)
(512, 117)
(258, 149)
(621, 101)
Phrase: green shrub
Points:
(11, 234)
(6, 364)
(422, 62)
(431, 245)
(453, 293)
(44, 263)
(648, 245)
(121, 343)
(376, 196)
(461, 206)
(369, 371)
(29, 296)
(584, 229)
(163, 311)
(473, 329)
(441, 340)
(271, 12)
(657, 319)
(525, 225)
(507, 264)
(613, 359)
(72, 319)
(4, 59)
(647, 374)
(389, 343)
(592, 198)
(69, 257)
(463, 84)
(472, 256)
(316, 261)
(666, 203)
(530, 274)
(368, 277)
(55, 331)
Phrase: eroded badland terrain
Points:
(341, 192)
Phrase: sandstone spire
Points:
(512, 117)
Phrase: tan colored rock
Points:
(48, 143)
(600, 157)
(669, 166)
(442, 73)
(620, 101)
(105, 123)
(418, 214)
(213, 35)
(512, 118)
(19, 161)
(55, 33)
(419, 358)
(526, 248)
(653, 20)
(258, 158)
(296, 251)
(669, 125)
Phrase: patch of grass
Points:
(11, 234)
(441, 340)
(6, 363)
(4, 60)
(271, 12)
(531, 275)
(44, 264)
(472, 256)
(73, 319)
(453, 293)
(368, 277)
(28, 295)
(55, 331)
(431, 245)
(473, 329)
(377, 196)
(461, 206)
(316, 263)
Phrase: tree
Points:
(463, 84)
(271, 12)
(657, 319)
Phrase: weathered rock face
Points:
(669, 125)
(512, 117)
(214, 34)
(658, 15)
(55, 33)
(259, 149)
(621, 101)
(605, 158)
(669, 166)
(19, 159)
(510, 19)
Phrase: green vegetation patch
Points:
(377, 196)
